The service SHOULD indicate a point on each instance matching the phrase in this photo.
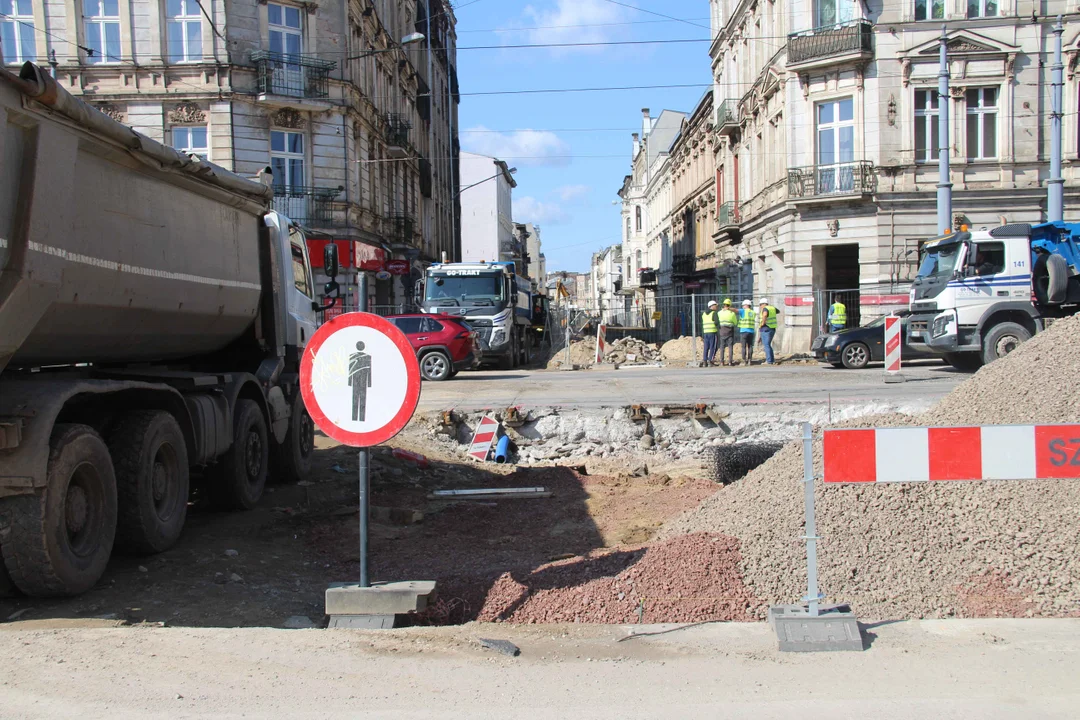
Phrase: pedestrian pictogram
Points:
(360, 379)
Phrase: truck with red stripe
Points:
(979, 294)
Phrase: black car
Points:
(856, 348)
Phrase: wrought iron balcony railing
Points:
(822, 43)
(727, 215)
(647, 278)
(397, 130)
(310, 206)
(727, 116)
(402, 227)
(683, 264)
(299, 76)
(853, 178)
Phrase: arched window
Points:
(637, 260)
(637, 217)
(627, 227)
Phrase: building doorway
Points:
(836, 277)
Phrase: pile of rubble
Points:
(631, 351)
(691, 578)
(924, 549)
(582, 354)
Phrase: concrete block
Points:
(834, 629)
(379, 599)
(361, 622)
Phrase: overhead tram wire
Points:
(653, 12)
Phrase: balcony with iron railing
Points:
(830, 45)
(309, 206)
(683, 264)
(402, 229)
(727, 223)
(827, 183)
(288, 80)
(396, 134)
(647, 278)
(727, 117)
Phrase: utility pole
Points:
(944, 186)
(1055, 187)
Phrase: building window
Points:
(627, 227)
(835, 145)
(17, 31)
(929, 9)
(286, 30)
(834, 12)
(927, 138)
(191, 141)
(637, 260)
(185, 30)
(637, 217)
(287, 158)
(102, 30)
(982, 8)
(981, 123)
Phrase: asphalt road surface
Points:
(940, 669)
(793, 384)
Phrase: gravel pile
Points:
(582, 354)
(680, 350)
(733, 462)
(685, 579)
(924, 550)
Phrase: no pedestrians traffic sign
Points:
(360, 379)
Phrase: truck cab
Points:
(492, 298)
(979, 294)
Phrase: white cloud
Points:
(572, 193)
(562, 23)
(523, 147)
(529, 209)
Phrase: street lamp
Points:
(479, 182)
(410, 39)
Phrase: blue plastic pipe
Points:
(502, 449)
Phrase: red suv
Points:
(444, 345)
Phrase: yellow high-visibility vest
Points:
(770, 321)
(746, 319)
(728, 318)
(708, 322)
(839, 314)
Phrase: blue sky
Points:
(567, 180)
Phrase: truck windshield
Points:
(465, 288)
(940, 260)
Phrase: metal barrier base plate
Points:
(834, 629)
(362, 622)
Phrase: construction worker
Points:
(767, 324)
(837, 317)
(727, 321)
(746, 331)
(708, 333)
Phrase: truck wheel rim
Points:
(83, 510)
(253, 455)
(1006, 345)
(434, 365)
(166, 479)
(307, 434)
(855, 355)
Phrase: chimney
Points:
(637, 145)
(646, 122)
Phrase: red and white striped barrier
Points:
(483, 437)
(892, 344)
(990, 452)
(601, 342)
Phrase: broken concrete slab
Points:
(503, 646)
(379, 599)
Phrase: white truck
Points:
(492, 298)
(153, 311)
(979, 294)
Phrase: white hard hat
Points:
(747, 303)
(763, 301)
(712, 302)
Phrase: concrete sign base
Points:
(834, 629)
(350, 605)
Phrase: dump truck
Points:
(153, 310)
(980, 293)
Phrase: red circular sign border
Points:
(412, 369)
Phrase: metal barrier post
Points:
(693, 328)
(812, 595)
(365, 481)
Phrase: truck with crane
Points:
(492, 298)
(979, 294)
(153, 312)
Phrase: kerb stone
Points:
(396, 598)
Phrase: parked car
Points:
(856, 348)
(444, 345)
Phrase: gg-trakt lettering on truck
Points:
(153, 311)
(979, 294)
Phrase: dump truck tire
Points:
(239, 478)
(1057, 287)
(292, 458)
(57, 541)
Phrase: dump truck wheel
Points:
(292, 458)
(1057, 284)
(239, 478)
(7, 585)
(57, 541)
(967, 361)
(152, 481)
(1002, 339)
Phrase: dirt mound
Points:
(582, 354)
(685, 579)
(681, 349)
(925, 550)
